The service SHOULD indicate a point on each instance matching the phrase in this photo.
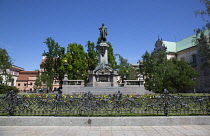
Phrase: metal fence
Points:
(88, 104)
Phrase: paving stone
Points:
(158, 128)
(82, 133)
(152, 133)
(176, 133)
(191, 130)
(117, 133)
(198, 132)
(141, 133)
(127, 128)
(93, 128)
(129, 133)
(72, 133)
(116, 128)
(148, 128)
(106, 132)
(106, 128)
(35, 133)
(205, 126)
(169, 128)
(164, 133)
(137, 128)
(94, 133)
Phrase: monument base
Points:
(103, 78)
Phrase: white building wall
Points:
(169, 56)
(187, 55)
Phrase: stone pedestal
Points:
(102, 49)
(103, 78)
(103, 75)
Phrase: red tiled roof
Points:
(24, 75)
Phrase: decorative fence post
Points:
(166, 100)
(11, 101)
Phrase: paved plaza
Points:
(187, 130)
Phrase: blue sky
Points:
(133, 25)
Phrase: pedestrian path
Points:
(189, 130)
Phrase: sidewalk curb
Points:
(103, 121)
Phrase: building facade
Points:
(14, 72)
(26, 80)
(55, 84)
(187, 50)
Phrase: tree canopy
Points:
(5, 63)
(202, 35)
(111, 56)
(53, 67)
(77, 61)
(91, 56)
(160, 73)
(124, 69)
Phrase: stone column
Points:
(114, 79)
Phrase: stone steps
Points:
(110, 90)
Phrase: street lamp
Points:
(65, 75)
(194, 90)
(141, 76)
(127, 75)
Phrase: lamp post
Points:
(60, 74)
(65, 75)
(194, 90)
(127, 75)
(141, 71)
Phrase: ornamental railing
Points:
(87, 104)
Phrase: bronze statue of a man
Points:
(103, 33)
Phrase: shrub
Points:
(5, 89)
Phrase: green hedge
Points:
(5, 89)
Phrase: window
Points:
(194, 58)
(18, 84)
(31, 83)
(24, 84)
(183, 58)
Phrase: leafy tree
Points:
(91, 56)
(161, 73)
(183, 74)
(77, 60)
(38, 82)
(205, 12)
(111, 57)
(53, 68)
(124, 69)
(5, 63)
(202, 35)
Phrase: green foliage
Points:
(91, 56)
(111, 57)
(53, 64)
(5, 63)
(77, 60)
(206, 11)
(38, 82)
(124, 69)
(5, 89)
(183, 74)
(202, 36)
(161, 73)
